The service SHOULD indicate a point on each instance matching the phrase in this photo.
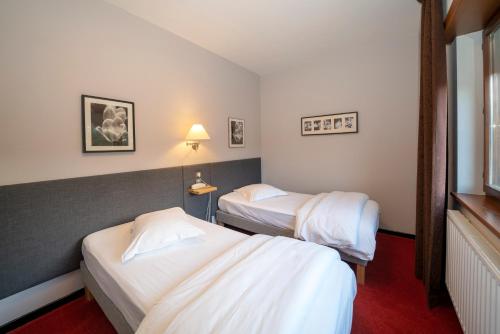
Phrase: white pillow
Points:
(257, 192)
(155, 230)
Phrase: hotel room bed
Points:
(128, 291)
(277, 216)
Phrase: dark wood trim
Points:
(397, 234)
(40, 312)
(491, 192)
(492, 26)
(466, 16)
(449, 21)
(486, 110)
(485, 208)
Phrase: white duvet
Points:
(331, 218)
(262, 285)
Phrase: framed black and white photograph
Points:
(236, 132)
(329, 124)
(108, 125)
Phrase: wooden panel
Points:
(204, 190)
(485, 208)
(488, 106)
(466, 16)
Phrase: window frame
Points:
(493, 25)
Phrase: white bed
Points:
(135, 286)
(138, 287)
(281, 212)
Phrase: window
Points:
(492, 107)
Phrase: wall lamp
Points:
(196, 134)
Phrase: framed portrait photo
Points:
(108, 125)
(236, 132)
(329, 124)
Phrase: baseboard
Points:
(27, 301)
(40, 312)
(398, 234)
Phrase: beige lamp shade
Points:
(196, 133)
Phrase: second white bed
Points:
(281, 212)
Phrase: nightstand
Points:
(202, 191)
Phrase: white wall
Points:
(379, 80)
(53, 51)
(470, 118)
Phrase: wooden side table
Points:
(202, 191)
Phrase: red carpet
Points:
(77, 317)
(392, 301)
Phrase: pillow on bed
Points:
(155, 230)
(260, 191)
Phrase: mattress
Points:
(134, 287)
(276, 211)
(281, 211)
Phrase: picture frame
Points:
(331, 124)
(236, 135)
(108, 125)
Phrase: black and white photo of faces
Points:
(236, 132)
(327, 124)
(337, 123)
(348, 122)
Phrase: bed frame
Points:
(94, 291)
(224, 218)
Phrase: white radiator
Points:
(472, 276)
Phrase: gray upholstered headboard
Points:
(43, 223)
(226, 176)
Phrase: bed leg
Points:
(360, 274)
(88, 295)
(220, 224)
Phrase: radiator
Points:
(472, 276)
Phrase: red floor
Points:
(392, 301)
(77, 317)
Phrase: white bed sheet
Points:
(293, 287)
(134, 287)
(281, 212)
(277, 211)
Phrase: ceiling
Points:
(267, 36)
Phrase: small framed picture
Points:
(329, 124)
(108, 125)
(236, 132)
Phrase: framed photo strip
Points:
(329, 124)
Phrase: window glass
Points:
(494, 86)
